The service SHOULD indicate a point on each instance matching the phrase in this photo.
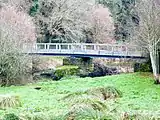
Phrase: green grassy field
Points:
(138, 94)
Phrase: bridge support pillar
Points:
(85, 64)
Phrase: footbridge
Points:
(87, 50)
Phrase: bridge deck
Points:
(87, 50)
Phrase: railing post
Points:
(85, 48)
(45, 46)
(48, 46)
(126, 51)
(56, 47)
(98, 49)
(72, 48)
(112, 50)
(81, 47)
(59, 46)
(95, 47)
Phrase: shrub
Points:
(13, 68)
(9, 101)
(17, 33)
(142, 67)
(66, 71)
(10, 116)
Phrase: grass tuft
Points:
(105, 93)
(9, 101)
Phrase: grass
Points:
(67, 67)
(138, 94)
(52, 58)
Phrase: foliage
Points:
(8, 74)
(66, 71)
(34, 8)
(17, 32)
(143, 67)
(72, 21)
(10, 116)
(62, 21)
(9, 101)
(124, 17)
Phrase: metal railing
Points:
(86, 49)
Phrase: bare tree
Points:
(102, 25)
(19, 4)
(16, 29)
(71, 20)
(147, 33)
(65, 19)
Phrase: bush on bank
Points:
(63, 71)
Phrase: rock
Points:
(48, 73)
(102, 70)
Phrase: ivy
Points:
(35, 7)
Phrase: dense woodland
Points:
(122, 13)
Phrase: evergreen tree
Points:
(34, 8)
(124, 17)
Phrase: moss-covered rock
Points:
(85, 65)
(67, 70)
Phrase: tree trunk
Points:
(155, 67)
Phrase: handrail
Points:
(86, 44)
(87, 49)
